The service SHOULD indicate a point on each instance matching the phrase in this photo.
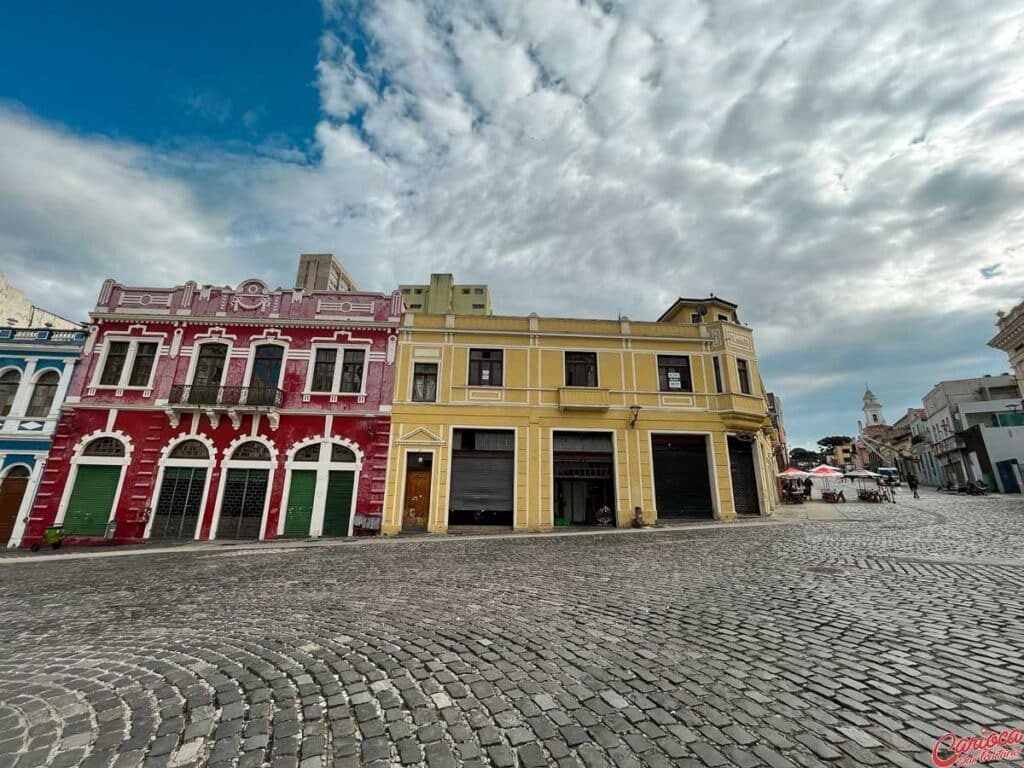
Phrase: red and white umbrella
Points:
(792, 474)
(825, 470)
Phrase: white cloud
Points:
(844, 171)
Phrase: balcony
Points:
(208, 396)
(584, 398)
(233, 402)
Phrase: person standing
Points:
(912, 484)
(807, 488)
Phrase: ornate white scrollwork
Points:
(252, 294)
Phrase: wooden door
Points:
(11, 494)
(338, 507)
(417, 500)
(300, 502)
(92, 500)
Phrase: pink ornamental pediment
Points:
(251, 295)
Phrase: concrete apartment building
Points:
(976, 429)
(442, 296)
(323, 272)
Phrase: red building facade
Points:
(229, 413)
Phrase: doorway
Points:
(482, 489)
(12, 493)
(744, 477)
(682, 477)
(418, 473)
(584, 473)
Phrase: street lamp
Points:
(635, 414)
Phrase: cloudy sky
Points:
(849, 172)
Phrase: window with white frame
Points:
(43, 394)
(128, 363)
(337, 370)
(9, 382)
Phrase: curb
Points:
(217, 548)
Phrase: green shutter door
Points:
(338, 508)
(91, 500)
(300, 503)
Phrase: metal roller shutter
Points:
(91, 500)
(482, 477)
(682, 482)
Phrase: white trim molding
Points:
(228, 463)
(166, 461)
(78, 459)
(323, 467)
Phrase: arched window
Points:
(189, 449)
(105, 447)
(18, 473)
(9, 382)
(251, 451)
(309, 453)
(339, 453)
(43, 394)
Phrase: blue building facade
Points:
(36, 366)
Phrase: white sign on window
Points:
(674, 380)
(485, 375)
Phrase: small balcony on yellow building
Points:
(584, 398)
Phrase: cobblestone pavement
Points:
(854, 642)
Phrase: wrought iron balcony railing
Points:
(211, 396)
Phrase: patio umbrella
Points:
(826, 472)
(792, 474)
(862, 473)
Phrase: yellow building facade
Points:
(533, 423)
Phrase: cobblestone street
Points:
(854, 642)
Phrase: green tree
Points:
(803, 456)
(829, 443)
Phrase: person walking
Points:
(912, 483)
(807, 488)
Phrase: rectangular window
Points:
(717, 364)
(478, 291)
(674, 373)
(743, 371)
(323, 370)
(485, 367)
(478, 306)
(145, 356)
(352, 371)
(117, 356)
(723, 317)
(415, 306)
(581, 369)
(695, 317)
(424, 383)
(465, 291)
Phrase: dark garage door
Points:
(744, 481)
(682, 482)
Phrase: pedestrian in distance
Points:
(807, 487)
(912, 484)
